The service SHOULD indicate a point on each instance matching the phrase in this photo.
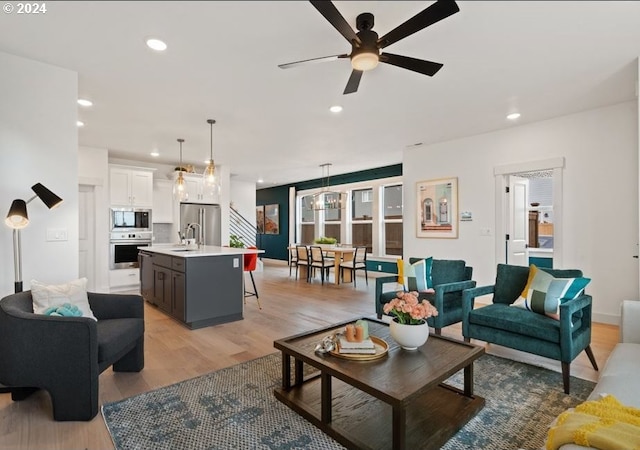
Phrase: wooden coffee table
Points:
(398, 401)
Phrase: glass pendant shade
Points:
(211, 180)
(180, 187)
(17, 217)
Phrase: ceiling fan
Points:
(366, 45)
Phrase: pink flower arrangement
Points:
(408, 310)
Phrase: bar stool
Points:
(250, 261)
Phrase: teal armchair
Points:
(450, 279)
(527, 331)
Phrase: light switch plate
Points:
(236, 263)
(57, 234)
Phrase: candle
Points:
(359, 333)
(350, 333)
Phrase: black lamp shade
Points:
(17, 217)
(49, 198)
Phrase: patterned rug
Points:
(234, 408)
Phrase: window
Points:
(392, 226)
(362, 215)
(307, 222)
(361, 204)
(371, 216)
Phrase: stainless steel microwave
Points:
(130, 219)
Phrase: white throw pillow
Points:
(46, 296)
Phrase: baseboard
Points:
(611, 319)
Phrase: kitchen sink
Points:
(184, 250)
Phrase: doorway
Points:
(529, 213)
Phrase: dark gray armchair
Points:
(65, 355)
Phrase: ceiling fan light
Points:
(365, 61)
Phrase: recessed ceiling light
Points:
(79, 123)
(84, 102)
(155, 154)
(513, 116)
(156, 44)
(335, 109)
(260, 180)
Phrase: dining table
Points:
(339, 253)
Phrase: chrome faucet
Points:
(192, 227)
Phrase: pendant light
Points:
(180, 187)
(327, 198)
(211, 180)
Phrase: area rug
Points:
(234, 408)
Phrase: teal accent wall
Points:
(541, 262)
(275, 245)
(385, 266)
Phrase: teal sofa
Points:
(450, 279)
(524, 330)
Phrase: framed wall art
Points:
(271, 219)
(260, 219)
(437, 208)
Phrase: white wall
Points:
(38, 143)
(243, 198)
(600, 196)
(93, 169)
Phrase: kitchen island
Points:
(197, 286)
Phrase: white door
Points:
(86, 234)
(518, 227)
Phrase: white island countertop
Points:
(204, 250)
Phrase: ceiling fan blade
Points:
(417, 65)
(331, 13)
(353, 83)
(311, 61)
(434, 13)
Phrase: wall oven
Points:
(130, 219)
(124, 247)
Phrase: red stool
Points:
(250, 261)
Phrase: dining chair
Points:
(293, 258)
(317, 260)
(359, 262)
(302, 259)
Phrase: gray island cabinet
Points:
(198, 287)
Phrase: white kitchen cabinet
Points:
(130, 186)
(163, 201)
(195, 189)
(123, 279)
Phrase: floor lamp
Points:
(18, 219)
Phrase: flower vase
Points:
(410, 337)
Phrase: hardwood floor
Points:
(174, 353)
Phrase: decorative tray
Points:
(381, 349)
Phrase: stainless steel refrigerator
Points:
(208, 220)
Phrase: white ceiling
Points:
(541, 58)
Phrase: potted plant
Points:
(235, 241)
(409, 326)
(325, 240)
